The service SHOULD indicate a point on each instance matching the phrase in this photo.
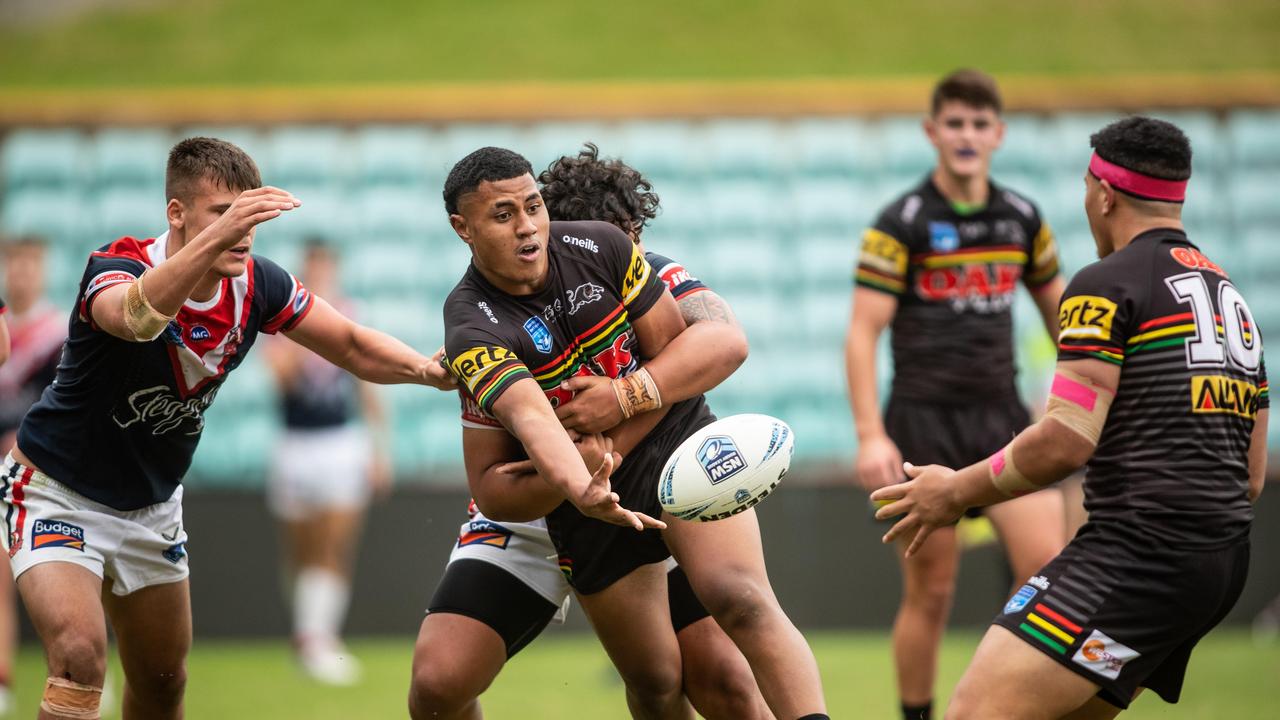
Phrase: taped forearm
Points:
(140, 317)
(637, 393)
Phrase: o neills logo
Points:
(584, 243)
(158, 408)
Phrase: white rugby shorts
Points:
(522, 549)
(46, 521)
(317, 470)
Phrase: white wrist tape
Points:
(144, 321)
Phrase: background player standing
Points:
(319, 484)
(941, 267)
(1162, 388)
(91, 494)
(36, 333)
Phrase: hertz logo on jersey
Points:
(472, 365)
(1086, 317)
(1221, 394)
(637, 274)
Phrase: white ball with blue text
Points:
(726, 467)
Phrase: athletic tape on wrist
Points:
(1080, 404)
(637, 393)
(71, 700)
(144, 321)
(1005, 475)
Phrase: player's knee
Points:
(78, 657)
(740, 605)
(654, 685)
(439, 689)
(722, 690)
(931, 597)
(160, 685)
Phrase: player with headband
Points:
(1162, 389)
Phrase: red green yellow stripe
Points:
(1098, 351)
(495, 382)
(1058, 618)
(605, 336)
(1048, 641)
(1010, 257)
(573, 344)
(1050, 628)
(879, 281)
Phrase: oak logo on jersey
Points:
(474, 364)
(1194, 259)
(1086, 317)
(982, 287)
(1222, 394)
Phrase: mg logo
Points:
(720, 458)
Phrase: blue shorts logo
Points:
(720, 458)
(174, 553)
(537, 330)
(943, 237)
(1019, 599)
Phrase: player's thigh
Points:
(634, 625)
(1008, 678)
(153, 628)
(63, 601)
(1032, 529)
(456, 655)
(720, 558)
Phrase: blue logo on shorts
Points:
(537, 330)
(174, 553)
(720, 458)
(943, 237)
(1019, 599)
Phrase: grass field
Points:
(243, 42)
(567, 675)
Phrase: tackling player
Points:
(502, 585)
(578, 298)
(1161, 388)
(91, 494)
(940, 268)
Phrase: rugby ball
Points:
(726, 467)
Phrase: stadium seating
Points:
(767, 211)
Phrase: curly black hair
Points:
(488, 164)
(1145, 145)
(586, 187)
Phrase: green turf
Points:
(334, 41)
(564, 676)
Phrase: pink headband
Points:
(1135, 183)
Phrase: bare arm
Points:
(1044, 453)
(374, 411)
(696, 360)
(4, 339)
(364, 352)
(879, 462)
(168, 286)
(1047, 297)
(1258, 455)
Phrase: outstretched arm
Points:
(364, 352)
(879, 461)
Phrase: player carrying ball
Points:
(1161, 387)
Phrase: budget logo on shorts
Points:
(1019, 599)
(55, 533)
(541, 335)
(484, 532)
(1103, 655)
(943, 237)
(720, 458)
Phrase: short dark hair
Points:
(488, 164)
(1145, 145)
(584, 187)
(971, 87)
(198, 158)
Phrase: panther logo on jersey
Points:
(584, 294)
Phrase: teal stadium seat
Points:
(825, 261)
(829, 205)
(1210, 155)
(547, 142)
(461, 139)
(835, 147)
(1252, 139)
(399, 154)
(43, 158)
(57, 213)
(409, 317)
(327, 211)
(397, 213)
(386, 268)
(1023, 150)
(747, 148)
(663, 150)
(130, 157)
(307, 156)
(1252, 193)
(118, 212)
(1067, 139)
(746, 206)
(906, 148)
(684, 207)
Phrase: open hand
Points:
(927, 500)
(600, 502)
(249, 209)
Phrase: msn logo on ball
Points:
(720, 458)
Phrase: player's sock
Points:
(815, 716)
(917, 712)
(320, 599)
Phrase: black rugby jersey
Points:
(579, 324)
(121, 420)
(955, 277)
(321, 395)
(1173, 457)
